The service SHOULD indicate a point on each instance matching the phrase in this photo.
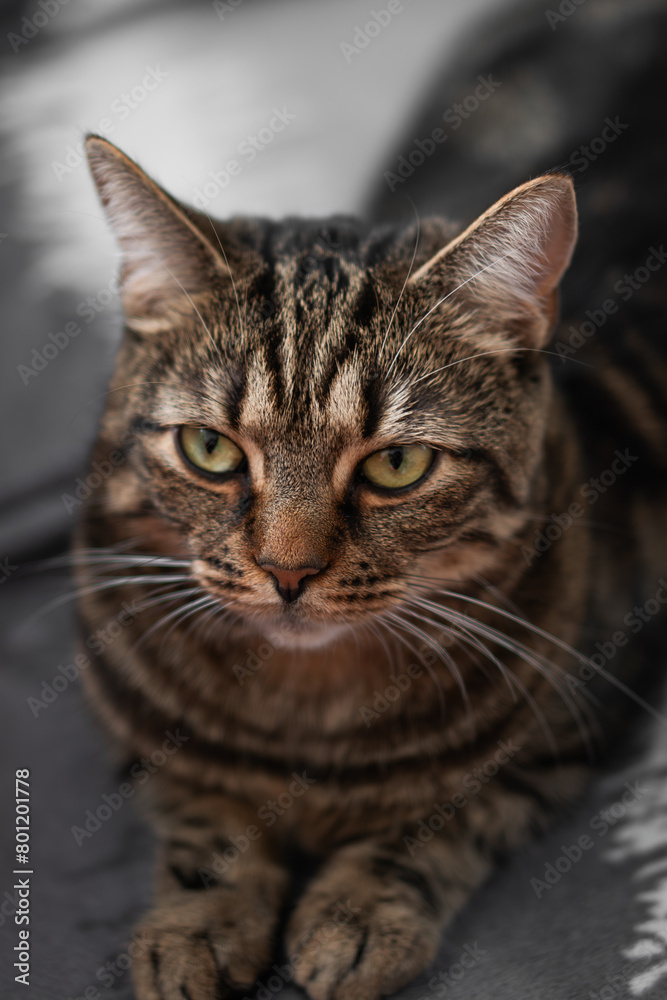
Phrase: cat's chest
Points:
(330, 703)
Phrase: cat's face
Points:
(318, 413)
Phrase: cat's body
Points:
(344, 708)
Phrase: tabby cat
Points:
(347, 510)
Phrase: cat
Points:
(347, 508)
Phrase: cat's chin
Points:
(302, 634)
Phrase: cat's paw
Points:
(201, 946)
(359, 948)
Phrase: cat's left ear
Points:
(508, 264)
(169, 267)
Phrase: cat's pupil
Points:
(396, 458)
(210, 440)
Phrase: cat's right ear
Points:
(169, 268)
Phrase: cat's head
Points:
(319, 411)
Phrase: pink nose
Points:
(289, 580)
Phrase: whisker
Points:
(444, 299)
(187, 295)
(574, 653)
(512, 681)
(447, 660)
(231, 275)
(167, 618)
(498, 594)
(398, 300)
(65, 559)
(83, 559)
(107, 584)
(434, 677)
(173, 595)
(550, 671)
(203, 604)
(378, 633)
(206, 618)
(544, 666)
(214, 618)
(484, 354)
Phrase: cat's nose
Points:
(289, 582)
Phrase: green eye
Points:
(209, 451)
(395, 467)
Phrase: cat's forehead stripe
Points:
(308, 359)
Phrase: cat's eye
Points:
(399, 466)
(209, 451)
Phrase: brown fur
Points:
(312, 346)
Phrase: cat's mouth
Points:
(296, 625)
(322, 613)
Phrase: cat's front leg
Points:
(219, 891)
(372, 919)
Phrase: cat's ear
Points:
(169, 268)
(508, 263)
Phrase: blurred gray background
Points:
(217, 76)
(180, 87)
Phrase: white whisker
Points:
(231, 276)
(570, 650)
(398, 301)
(446, 659)
(434, 677)
(194, 604)
(106, 585)
(483, 354)
(444, 299)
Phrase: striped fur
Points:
(435, 641)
